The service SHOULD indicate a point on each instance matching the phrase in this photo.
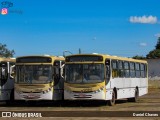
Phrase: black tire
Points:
(112, 101)
(135, 98)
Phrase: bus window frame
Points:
(114, 68)
(132, 70)
(121, 69)
(126, 69)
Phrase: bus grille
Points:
(31, 92)
(82, 96)
(83, 91)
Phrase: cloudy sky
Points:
(116, 27)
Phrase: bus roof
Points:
(51, 56)
(111, 57)
(41, 56)
(8, 59)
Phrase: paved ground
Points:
(145, 104)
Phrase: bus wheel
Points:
(135, 98)
(112, 101)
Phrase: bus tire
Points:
(135, 98)
(112, 101)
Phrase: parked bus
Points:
(104, 77)
(39, 78)
(7, 79)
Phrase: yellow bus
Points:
(39, 78)
(7, 79)
(104, 77)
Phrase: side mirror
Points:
(62, 70)
(12, 71)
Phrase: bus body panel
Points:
(131, 82)
(108, 94)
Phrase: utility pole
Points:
(79, 50)
(65, 52)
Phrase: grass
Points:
(154, 84)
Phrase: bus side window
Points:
(126, 69)
(145, 73)
(132, 69)
(142, 68)
(138, 70)
(120, 69)
(114, 69)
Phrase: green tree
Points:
(5, 52)
(158, 44)
(156, 52)
(138, 57)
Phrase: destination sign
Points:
(34, 60)
(84, 58)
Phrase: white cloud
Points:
(157, 35)
(144, 19)
(143, 44)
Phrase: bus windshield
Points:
(34, 74)
(84, 73)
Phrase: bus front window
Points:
(35, 74)
(84, 73)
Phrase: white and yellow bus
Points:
(7, 79)
(104, 77)
(39, 78)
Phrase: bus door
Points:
(58, 80)
(108, 70)
(3, 73)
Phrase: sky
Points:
(115, 27)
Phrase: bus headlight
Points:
(46, 91)
(99, 90)
(68, 91)
(19, 92)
